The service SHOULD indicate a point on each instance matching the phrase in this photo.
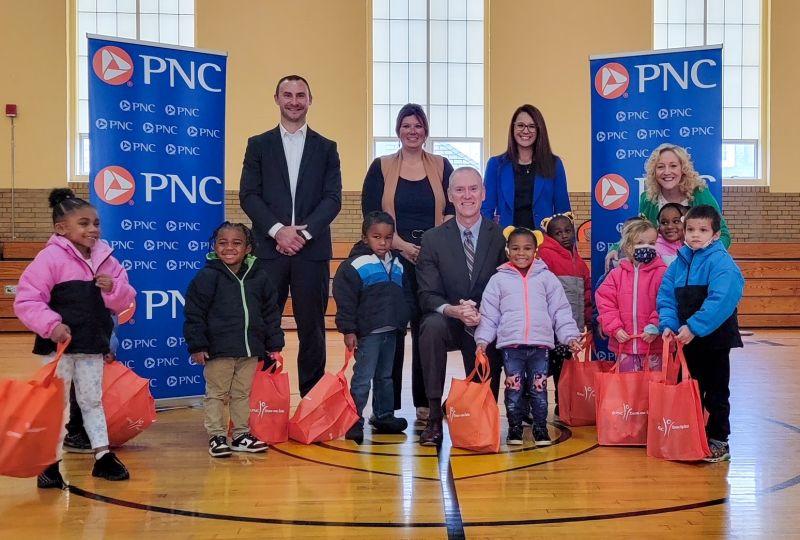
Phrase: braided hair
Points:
(245, 230)
(63, 202)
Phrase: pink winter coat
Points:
(60, 263)
(627, 299)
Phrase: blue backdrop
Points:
(640, 101)
(157, 139)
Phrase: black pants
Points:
(309, 284)
(75, 423)
(712, 369)
(439, 334)
(417, 380)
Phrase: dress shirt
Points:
(476, 229)
(293, 144)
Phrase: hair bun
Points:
(59, 195)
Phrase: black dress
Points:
(414, 207)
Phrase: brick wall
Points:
(753, 213)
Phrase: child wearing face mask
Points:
(626, 300)
(670, 231)
(697, 304)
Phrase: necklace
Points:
(526, 167)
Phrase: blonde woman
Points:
(671, 178)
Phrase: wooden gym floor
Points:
(390, 487)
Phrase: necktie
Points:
(469, 251)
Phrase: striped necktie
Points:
(469, 251)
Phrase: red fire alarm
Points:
(11, 110)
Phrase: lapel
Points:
(453, 240)
(484, 241)
(279, 156)
(538, 186)
(309, 148)
(506, 173)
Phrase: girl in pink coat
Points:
(70, 291)
(626, 300)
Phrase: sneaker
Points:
(720, 451)
(247, 443)
(50, 478)
(423, 413)
(110, 467)
(514, 437)
(390, 424)
(541, 436)
(218, 446)
(355, 433)
(77, 443)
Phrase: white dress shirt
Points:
(293, 144)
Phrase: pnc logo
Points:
(172, 380)
(587, 394)
(612, 191)
(611, 80)
(667, 425)
(452, 414)
(263, 409)
(112, 65)
(114, 185)
(627, 411)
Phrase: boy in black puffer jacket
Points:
(232, 319)
(370, 308)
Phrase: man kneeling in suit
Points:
(455, 262)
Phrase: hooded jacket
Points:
(525, 309)
(58, 287)
(627, 300)
(367, 296)
(573, 274)
(701, 289)
(232, 315)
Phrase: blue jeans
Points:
(374, 361)
(526, 382)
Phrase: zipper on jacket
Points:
(635, 306)
(689, 269)
(244, 305)
(525, 293)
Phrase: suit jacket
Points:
(442, 266)
(265, 196)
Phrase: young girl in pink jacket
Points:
(626, 300)
(522, 307)
(70, 291)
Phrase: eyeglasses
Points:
(522, 127)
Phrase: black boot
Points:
(50, 478)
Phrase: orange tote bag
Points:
(471, 411)
(127, 402)
(269, 403)
(31, 420)
(327, 411)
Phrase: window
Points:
(737, 25)
(430, 52)
(164, 21)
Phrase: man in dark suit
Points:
(291, 189)
(454, 265)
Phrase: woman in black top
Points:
(411, 185)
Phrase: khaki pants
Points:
(228, 377)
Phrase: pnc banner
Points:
(157, 139)
(640, 101)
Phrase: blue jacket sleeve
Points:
(725, 287)
(560, 192)
(666, 303)
(489, 206)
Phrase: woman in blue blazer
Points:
(527, 183)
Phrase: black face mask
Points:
(644, 254)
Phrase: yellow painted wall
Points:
(33, 74)
(540, 55)
(325, 41)
(784, 134)
(537, 52)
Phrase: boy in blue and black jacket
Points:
(370, 309)
(697, 304)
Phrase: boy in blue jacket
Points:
(697, 304)
(371, 308)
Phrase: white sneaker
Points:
(247, 443)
